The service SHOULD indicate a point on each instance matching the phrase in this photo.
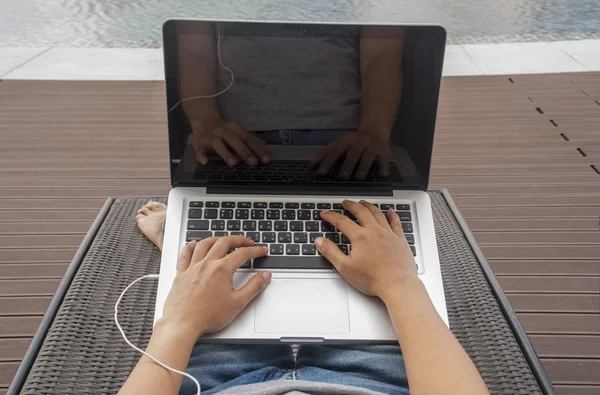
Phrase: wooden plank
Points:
(49, 215)
(19, 326)
(44, 204)
(49, 255)
(33, 270)
(556, 267)
(566, 346)
(585, 252)
(43, 228)
(573, 371)
(33, 287)
(565, 303)
(13, 349)
(85, 192)
(479, 225)
(533, 237)
(577, 389)
(550, 284)
(531, 212)
(19, 306)
(544, 200)
(560, 323)
(41, 241)
(7, 372)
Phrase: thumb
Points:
(254, 286)
(330, 251)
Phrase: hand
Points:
(380, 259)
(364, 145)
(212, 133)
(202, 299)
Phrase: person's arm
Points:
(204, 276)
(381, 264)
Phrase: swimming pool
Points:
(136, 23)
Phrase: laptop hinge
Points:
(296, 190)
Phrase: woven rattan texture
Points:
(84, 353)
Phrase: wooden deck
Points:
(520, 155)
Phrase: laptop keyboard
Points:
(288, 229)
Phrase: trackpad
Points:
(299, 306)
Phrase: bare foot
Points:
(150, 220)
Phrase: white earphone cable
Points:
(154, 276)
(222, 65)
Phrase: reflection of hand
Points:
(380, 259)
(202, 299)
(362, 148)
(212, 133)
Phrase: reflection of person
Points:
(203, 300)
(295, 88)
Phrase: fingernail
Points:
(266, 276)
(319, 242)
(231, 161)
(203, 161)
(265, 159)
(252, 161)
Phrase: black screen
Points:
(309, 106)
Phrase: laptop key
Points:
(244, 205)
(309, 206)
(293, 261)
(404, 216)
(288, 214)
(292, 205)
(386, 206)
(292, 249)
(195, 213)
(228, 204)
(221, 234)
(312, 226)
(249, 225)
(265, 226)
(335, 237)
(313, 236)
(345, 239)
(233, 224)
(226, 213)
(275, 205)
(198, 224)
(211, 213)
(273, 214)
(217, 224)
(259, 205)
(323, 206)
(407, 227)
(296, 226)
(284, 237)
(197, 235)
(242, 213)
(410, 238)
(257, 214)
(276, 249)
(343, 248)
(405, 207)
(196, 204)
(308, 249)
(236, 233)
(327, 227)
(254, 236)
(316, 215)
(300, 238)
(304, 214)
(281, 226)
(268, 237)
(414, 250)
(338, 206)
(212, 204)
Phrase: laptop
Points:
(344, 112)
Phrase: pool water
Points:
(136, 23)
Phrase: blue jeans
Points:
(301, 137)
(220, 366)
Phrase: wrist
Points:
(373, 129)
(166, 332)
(407, 288)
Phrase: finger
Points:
(343, 223)
(221, 149)
(201, 156)
(334, 154)
(379, 217)
(384, 162)
(352, 156)
(253, 287)
(331, 252)
(242, 255)
(322, 153)
(224, 244)
(202, 248)
(256, 145)
(235, 142)
(366, 161)
(362, 214)
(395, 222)
(186, 256)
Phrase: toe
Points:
(145, 211)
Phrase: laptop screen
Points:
(304, 107)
